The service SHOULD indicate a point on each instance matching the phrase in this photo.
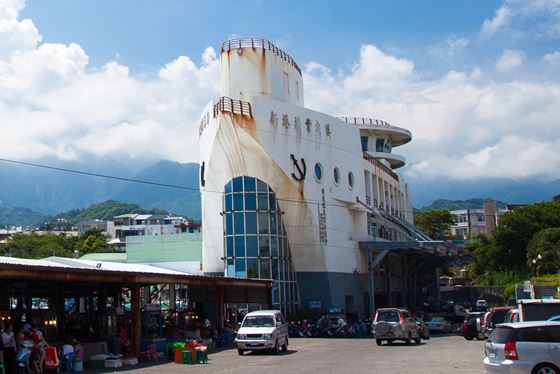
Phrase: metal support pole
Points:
(136, 319)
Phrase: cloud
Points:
(552, 58)
(463, 126)
(55, 105)
(534, 19)
(452, 46)
(509, 61)
(501, 19)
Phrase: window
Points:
(350, 179)
(532, 334)
(286, 83)
(297, 89)
(364, 140)
(318, 172)
(336, 175)
(379, 144)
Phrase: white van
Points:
(263, 329)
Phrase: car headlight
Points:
(241, 336)
(267, 336)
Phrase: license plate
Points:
(491, 355)
(253, 344)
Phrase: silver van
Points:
(263, 330)
(524, 347)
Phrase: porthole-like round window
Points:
(318, 172)
(336, 175)
(350, 179)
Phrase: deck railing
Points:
(363, 121)
(227, 104)
(259, 43)
(380, 165)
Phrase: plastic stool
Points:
(187, 357)
(201, 357)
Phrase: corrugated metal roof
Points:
(142, 216)
(71, 263)
(127, 215)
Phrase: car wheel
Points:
(417, 340)
(239, 352)
(389, 342)
(407, 340)
(285, 345)
(379, 341)
(545, 369)
(469, 337)
(276, 348)
(479, 336)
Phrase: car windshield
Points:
(435, 319)
(499, 316)
(258, 321)
(388, 316)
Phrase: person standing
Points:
(9, 341)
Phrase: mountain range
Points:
(56, 187)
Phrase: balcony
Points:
(397, 135)
(380, 165)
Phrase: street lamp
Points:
(535, 260)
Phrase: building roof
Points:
(111, 257)
(142, 216)
(127, 215)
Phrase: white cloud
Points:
(501, 19)
(535, 18)
(552, 58)
(452, 46)
(462, 126)
(509, 60)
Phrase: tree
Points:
(544, 248)
(435, 223)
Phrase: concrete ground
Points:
(441, 354)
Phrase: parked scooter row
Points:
(328, 328)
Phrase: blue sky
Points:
(477, 82)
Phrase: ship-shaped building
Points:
(310, 200)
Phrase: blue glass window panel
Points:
(265, 269)
(275, 296)
(272, 202)
(250, 201)
(238, 184)
(240, 271)
(264, 246)
(239, 246)
(239, 223)
(229, 246)
(228, 187)
(379, 144)
(364, 140)
(238, 201)
(318, 171)
(273, 246)
(250, 223)
(280, 246)
(252, 246)
(228, 205)
(262, 201)
(261, 186)
(263, 223)
(230, 269)
(273, 224)
(252, 268)
(249, 183)
(275, 269)
(229, 224)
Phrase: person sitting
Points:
(67, 354)
(37, 351)
(79, 354)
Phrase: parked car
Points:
(422, 329)
(524, 347)
(472, 326)
(392, 324)
(438, 324)
(263, 330)
(493, 317)
(554, 319)
(512, 315)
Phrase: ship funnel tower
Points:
(256, 67)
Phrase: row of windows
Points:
(336, 175)
(279, 270)
(252, 223)
(256, 246)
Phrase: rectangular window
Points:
(229, 224)
(250, 201)
(379, 144)
(286, 83)
(263, 223)
(364, 143)
(262, 201)
(239, 246)
(265, 269)
(249, 183)
(252, 268)
(228, 203)
(238, 201)
(250, 223)
(240, 271)
(252, 246)
(264, 246)
(230, 269)
(239, 224)
(274, 246)
(297, 89)
(229, 246)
